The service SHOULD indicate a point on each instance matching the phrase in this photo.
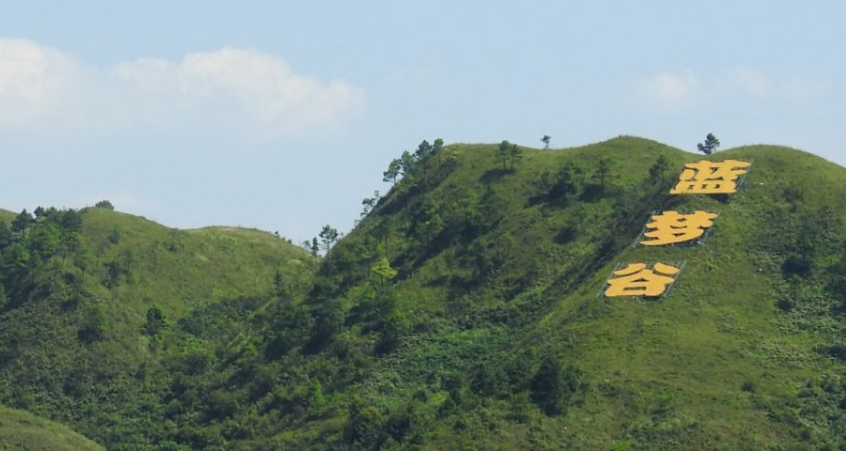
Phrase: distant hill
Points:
(463, 312)
(81, 287)
(6, 215)
(20, 430)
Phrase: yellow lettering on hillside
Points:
(672, 227)
(637, 280)
(710, 177)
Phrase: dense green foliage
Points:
(461, 313)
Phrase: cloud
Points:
(669, 90)
(680, 90)
(45, 89)
(34, 81)
(761, 85)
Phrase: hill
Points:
(87, 295)
(499, 273)
(22, 431)
(465, 312)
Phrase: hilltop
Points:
(465, 312)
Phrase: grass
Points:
(715, 365)
(21, 431)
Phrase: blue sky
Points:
(283, 115)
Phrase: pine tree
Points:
(710, 146)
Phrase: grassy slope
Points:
(20, 430)
(663, 373)
(692, 352)
(6, 215)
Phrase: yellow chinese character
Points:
(671, 227)
(637, 280)
(710, 177)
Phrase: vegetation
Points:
(20, 430)
(461, 313)
(710, 145)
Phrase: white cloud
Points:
(34, 81)
(678, 90)
(44, 89)
(761, 85)
(669, 90)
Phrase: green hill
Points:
(464, 312)
(88, 296)
(22, 431)
(501, 279)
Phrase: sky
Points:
(283, 115)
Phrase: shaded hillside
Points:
(20, 430)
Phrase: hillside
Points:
(20, 430)
(88, 295)
(464, 312)
(745, 353)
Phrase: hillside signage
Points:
(671, 228)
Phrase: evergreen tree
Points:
(406, 163)
(22, 221)
(423, 151)
(156, 321)
(104, 204)
(546, 139)
(515, 154)
(710, 145)
(393, 171)
(659, 170)
(503, 152)
(328, 235)
(315, 247)
(605, 171)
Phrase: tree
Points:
(315, 247)
(545, 140)
(406, 163)
(604, 171)
(437, 147)
(328, 235)
(383, 270)
(515, 153)
(156, 321)
(659, 169)
(568, 182)
(553, 386)
(503, 152)
(104, 204)
(22, 221)
(423, 150)
(710, 145)
(393, 171)
(369, 203)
